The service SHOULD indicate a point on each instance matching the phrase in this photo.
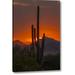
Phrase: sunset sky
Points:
(25, 14)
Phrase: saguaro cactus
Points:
(34, 35)
(38, 48)
(32, 28)
(42, 48)
(37, 23)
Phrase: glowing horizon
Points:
(25, 16)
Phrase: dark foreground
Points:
(29, 63)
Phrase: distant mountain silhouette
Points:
(18, 43)
(52, 47)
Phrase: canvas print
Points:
(36, 35)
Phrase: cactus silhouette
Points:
(42, 48)
(38, 48)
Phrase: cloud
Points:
(21, 4)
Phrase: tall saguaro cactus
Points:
(37, 23)
(38, 48)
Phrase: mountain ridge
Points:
(51, 46)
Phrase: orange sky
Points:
(25, 16)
